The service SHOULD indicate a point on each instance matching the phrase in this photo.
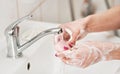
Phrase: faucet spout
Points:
(37, 37)
(12, 37)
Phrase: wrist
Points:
(89, 23)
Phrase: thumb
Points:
(72, 36)
(73, 39)
(82, 35)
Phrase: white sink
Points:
(39, 58)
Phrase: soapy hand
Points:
(75, 30)
(84, 53)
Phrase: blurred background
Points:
(54, 11)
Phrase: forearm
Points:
(111, 51)
(109, 20)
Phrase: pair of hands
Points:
(82, 54)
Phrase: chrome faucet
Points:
(12, 37)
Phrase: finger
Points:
(66, 35)
(60, 55)
(66, 60)
(83, 61)
(80, 36)
(74, 38)
(89, 60)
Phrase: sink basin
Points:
(39, 58)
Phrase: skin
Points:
(108, 20)
(105, 21)
(88, 53)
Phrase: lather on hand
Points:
(85, 53)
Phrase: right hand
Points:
(77, 28)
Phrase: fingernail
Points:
(73, 42)
(66, 48)
(71, 45)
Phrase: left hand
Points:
(85, 53)
(81, 56)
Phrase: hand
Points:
(81, 55)
(86, 53)
(77, 28)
